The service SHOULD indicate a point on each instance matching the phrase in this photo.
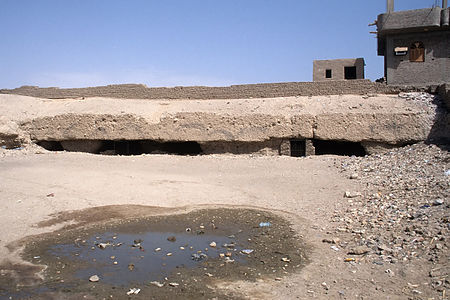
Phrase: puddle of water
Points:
(124, 255)
(143, 257)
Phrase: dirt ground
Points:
(35, 185)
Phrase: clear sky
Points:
(76, 43)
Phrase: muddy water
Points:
(173, 256)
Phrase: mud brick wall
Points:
(264, 90)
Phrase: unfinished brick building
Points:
(415, 45)
(338, 69)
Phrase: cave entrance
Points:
(343, 148)
(124, 147)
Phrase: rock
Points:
(352, 194)
(94, 278)
(172, 238)
(213, 244)
(359, 250)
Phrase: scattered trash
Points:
(158, 284)
(157, 249)
(169, 254)
(131, 267)
(209, 274)
(188, 229)
(335, 248)
(285, 259)
(174, 284)
(212, 244)
(264, 224)
(94, 278)
(171, 238)
(324, 284)
(447, 173)
(232, 245)
(229, 260)
(247, 251)
(51, 195)
(278, 278)
(438, 202)
(349, 259)
(103, 245)
(181, 248)
(228, 254)
(133, 291)
(199, 257)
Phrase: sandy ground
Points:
(307, 190)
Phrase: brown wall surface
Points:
(337, 68)
(263, 90)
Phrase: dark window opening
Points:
(129, 147)
(328, 73)
(338, 148)
(350, 72)
(417, 52)
(298, 148)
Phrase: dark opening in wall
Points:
(338, 148)
(298, 148)
(350, 72)
(51, 145)
(328, 73)
(124, 147)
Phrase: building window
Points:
(417, 52)
(328, 73)
(350, 72)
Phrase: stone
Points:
(359, 250)
(348, 194)
(94, 278)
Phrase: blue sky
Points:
(80, 43)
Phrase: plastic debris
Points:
(103, 245)
(174, 284)
(199, 257)
(133, 291)
(247, 251)
(349, 259)
(264, 224)
(158, 284)
(447, 173)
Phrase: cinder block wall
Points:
(434, 70)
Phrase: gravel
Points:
(403, 214)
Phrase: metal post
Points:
(390, 5)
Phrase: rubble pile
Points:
(403, 213)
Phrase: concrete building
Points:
(415, 45)
(338, 69)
